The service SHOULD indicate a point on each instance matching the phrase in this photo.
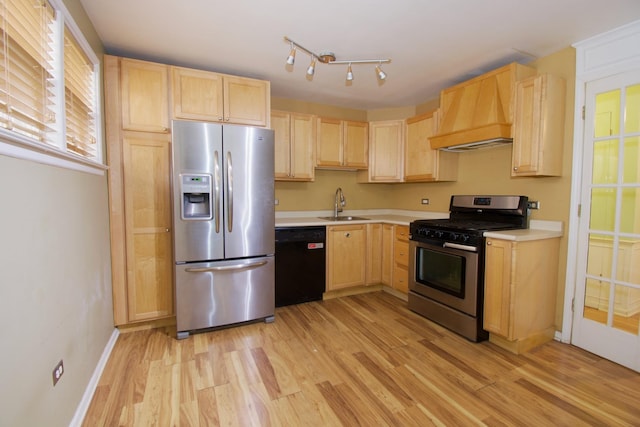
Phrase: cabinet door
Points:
(281, 125)
(538, 126)
(421, 162)
(374, 254)
(302, 147)
(401, 259)
(356, 144)
(386, 148)
(387, 254)
(329, 151)
(144, 96)
(146, 169)
(246, 101)
(497, 287)
(420, 159)
(197, 95)
(346, 248)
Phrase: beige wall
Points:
(482, 171)
(55, 283)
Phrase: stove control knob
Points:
(464, 237)
(439, 234)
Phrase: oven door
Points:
(448, 275)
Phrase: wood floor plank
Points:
(360, 360)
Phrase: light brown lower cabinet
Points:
(146, 160)
(375, 250)
(346, 256)
(387, 254)
(400, 277)
(520, 292)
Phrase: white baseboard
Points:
(83, 406)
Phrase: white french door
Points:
(606, 319)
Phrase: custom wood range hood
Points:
(478, 112)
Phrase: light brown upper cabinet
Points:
(294, 145)
(341, 144)
(144, 95)
(386, 152)
(421, 162)
(538, 126)
(209, 96)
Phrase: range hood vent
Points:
(478, 113)
(489, 143)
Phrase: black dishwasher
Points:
(300, 264)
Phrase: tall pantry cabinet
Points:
(139, 157)
(141, 98)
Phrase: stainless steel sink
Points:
(344, 218)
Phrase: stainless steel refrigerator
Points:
(224, 224)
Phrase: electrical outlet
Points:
(276, 202)
(57, 372)
(531, 204)
(424, 201)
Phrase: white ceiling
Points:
(432, 43)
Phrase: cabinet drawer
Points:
(401, 278)
(401, 253)
(402, 232)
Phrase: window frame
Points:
(56, 153)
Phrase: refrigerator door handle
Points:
(229, 192)
(226, 267)
(216, 184)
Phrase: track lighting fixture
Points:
(330, 58)
(292, 55)
(349, 73)
(381, 74)
(312, 66)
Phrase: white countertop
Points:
(537, 230)
(389, 216)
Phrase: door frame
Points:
(604, 55)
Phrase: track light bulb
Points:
(381, 74)
(349, 73)
(312, 67)
(292, 56)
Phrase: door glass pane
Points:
(626, 309)
(632, 110)
(607, 114)
(605, 161)
(631, 160)
(600, 256)
(596, 301)
(629, 218)
(603, 208)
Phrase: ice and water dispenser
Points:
(196, 197)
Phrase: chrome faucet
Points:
(339, 202)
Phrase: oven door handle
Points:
(459, 246)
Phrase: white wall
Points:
(55, 288)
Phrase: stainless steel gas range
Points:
(446, 259)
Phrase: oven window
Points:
(440, 270)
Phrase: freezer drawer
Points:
(211, 294)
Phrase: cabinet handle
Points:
(488, 243)
(167, 229)
(220, 119)
(515, 168)
(347, 234)
(227, 119)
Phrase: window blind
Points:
(79, 89)
(27, 103)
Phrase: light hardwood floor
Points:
(360, 360)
